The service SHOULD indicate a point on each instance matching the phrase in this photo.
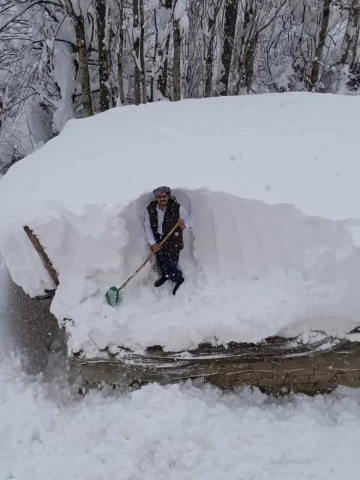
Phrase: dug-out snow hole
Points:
(252, 270)
(267, 266)
(234, 237)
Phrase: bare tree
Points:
(177, 53)
(177, 62)
(142, 52)
(256, 18)
(136, 43)
(317, 61)
(351, 36)
(212, 13)
(103, 58)
(72, 58)
(120, 51)
(164, 16)
(231, 11)
(77, 17)
(83, 64)
(193, 51)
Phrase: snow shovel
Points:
(113, 294)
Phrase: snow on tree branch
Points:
(62, 59)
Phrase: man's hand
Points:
(155, 248)
(182, 223)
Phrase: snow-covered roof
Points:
(246, 168)
(275, 148)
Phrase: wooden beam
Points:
(41, 252)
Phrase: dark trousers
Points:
(167, 262)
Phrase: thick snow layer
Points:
(271, 182)
(174, 433)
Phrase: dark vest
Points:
(175, 242)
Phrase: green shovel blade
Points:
(113, 296)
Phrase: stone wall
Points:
(275, 367)
(307, 374)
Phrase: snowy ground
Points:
(177, 432)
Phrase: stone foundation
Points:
(275, 366)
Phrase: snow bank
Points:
(271, 182)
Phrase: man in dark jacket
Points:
(160, 217)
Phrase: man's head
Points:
(162, 195)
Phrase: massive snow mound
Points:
(271, 182)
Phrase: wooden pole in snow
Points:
(41, 252)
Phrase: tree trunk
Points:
(83, 65)
(314, 76)
(163, 76)
(355, 43)
(209, 68)
(152, 80)
(249, 63)
(142, 53)
(136, 46)
(231, 10)
(193, 56)
(350, 38)
(165, 11)
(209, 45)
(103, 60)
(112, 85)
(120, 55)
(247, 52)
(177, 62)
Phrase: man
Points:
(160, 217)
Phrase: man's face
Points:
(162, 199)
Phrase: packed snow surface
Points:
(271, 182)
